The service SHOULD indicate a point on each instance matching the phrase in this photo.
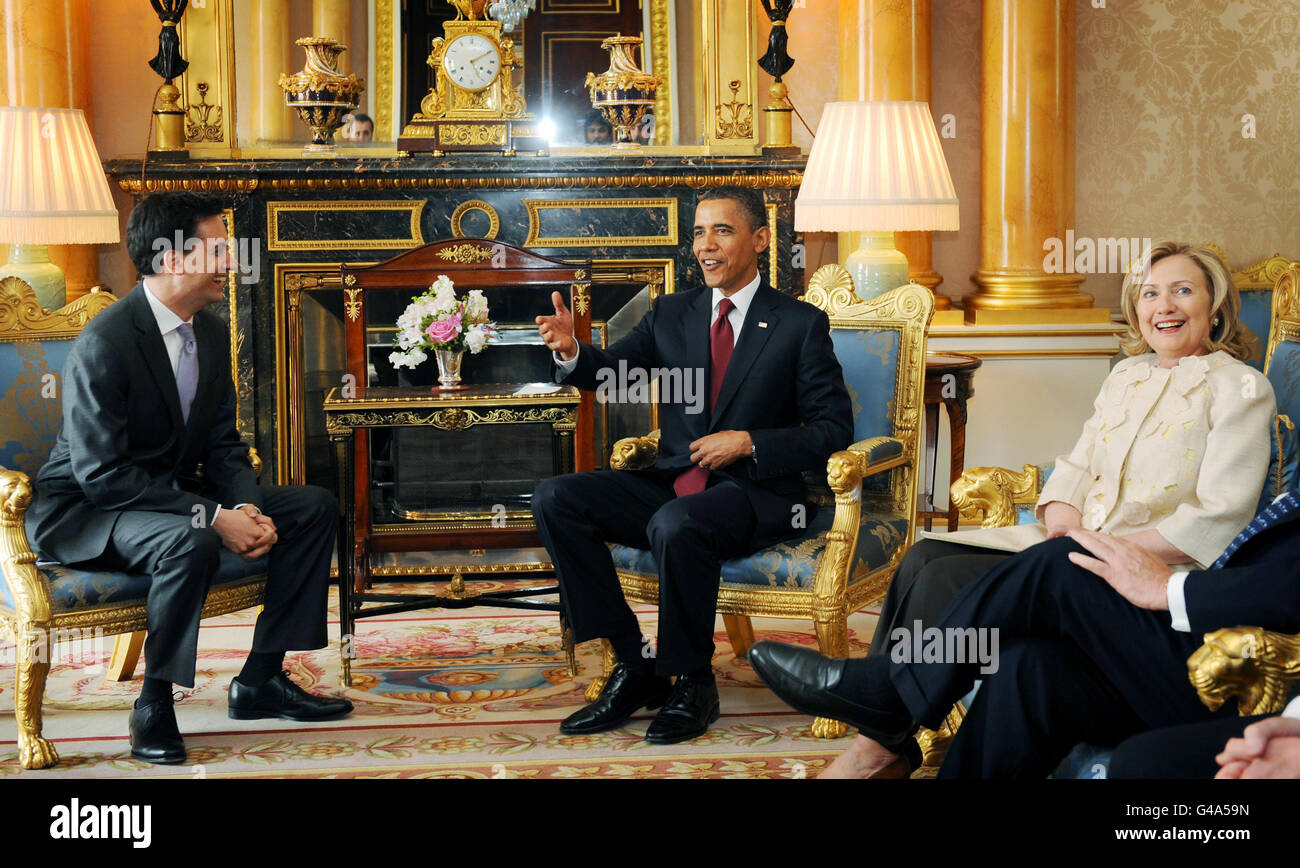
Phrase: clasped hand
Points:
(721, 448)
(1269, 748)
(246, 531)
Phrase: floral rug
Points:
(476, 693)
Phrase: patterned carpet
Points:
(472, 693)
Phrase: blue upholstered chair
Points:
(1007, 497)
(845, 558)
(42, 603)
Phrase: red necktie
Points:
(722, 341)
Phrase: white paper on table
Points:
(537, 389)
(1016, 538)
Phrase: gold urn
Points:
(623, 92)
(320, 93)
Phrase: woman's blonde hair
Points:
(1225, 301)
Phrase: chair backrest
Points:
(1255, 284)
(880, 345)
(1282, 367)
(34, 345)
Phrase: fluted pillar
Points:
(47, 63)
(333, 18)
(271, 119)
(885, 54)
(1026, 162)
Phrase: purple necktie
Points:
(187, 371)
(722, 340)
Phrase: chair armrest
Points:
(995, 492)
(635, 453)
(878, 454)
(1259, 667)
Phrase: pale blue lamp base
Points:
(31, 264)
(876, 266)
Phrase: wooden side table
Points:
(950, 382)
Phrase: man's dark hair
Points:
(749, 200)
(359, 118)
(161, 216)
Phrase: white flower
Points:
(475, 338)
(400, 360)
(417, 356)
(476, 306)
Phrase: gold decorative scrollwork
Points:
(22, 318)
(757, 180)
(831, 288)
(735, 118)
(465, 254)
(448, 418)
(472, 134)
(199, 124)
(581, 298)
(353, 303)
(349, 280)
(494, 221)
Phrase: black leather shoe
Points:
(625, 693)
(155, 738)
(805, 678)
(280, 697)
(688, 712)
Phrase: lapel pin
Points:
(762, 325)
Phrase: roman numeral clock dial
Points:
(472, 62)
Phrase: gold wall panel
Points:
(730, 67)
(387, 32)
(207, 42)
(275, 208)
(537, 206)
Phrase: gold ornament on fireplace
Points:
(320, 93)
(623, 92)
(473, 104)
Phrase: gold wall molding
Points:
(447, 419)
(735, 120)
(475, 205)
(207, 42)
(660, 45)
(729, 88)
(771, 245)
(465, 254)
(23, 319)
(275, 208)
(200, 126)
(757, 180)
(535, 207)
(383, 51)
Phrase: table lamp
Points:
(876, 167)
(52, 191)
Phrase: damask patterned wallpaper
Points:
(1162, 89)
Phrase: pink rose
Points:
(442, 331)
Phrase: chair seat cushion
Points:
(791, 564)
(74, 588)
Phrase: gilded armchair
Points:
(42, 603)
(848, 552)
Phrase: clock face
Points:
(471, 61)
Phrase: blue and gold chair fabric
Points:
(43, 602)
(848, 552)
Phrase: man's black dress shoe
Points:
(688, 712)
(626, 692)
(155, 738)
(280, 697)
(805, 678)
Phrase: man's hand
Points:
(1269, 748)
(1139, 576)
(721, 448)
(243, 534)
(557, 330)
(1059, 517)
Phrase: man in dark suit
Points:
(148, 475)
(1084, 660)
(726, 481)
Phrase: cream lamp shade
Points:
(876, 167)
(52, 190)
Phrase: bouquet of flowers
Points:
(438, 320)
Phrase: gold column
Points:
(1027, 164)
(333, 18)
(48, 64)
(885, 54)
(272, 120)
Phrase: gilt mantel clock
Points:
(473, 105)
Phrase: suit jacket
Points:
(783, 385)
(123, 442)
(1183, 450)
(1259, 586)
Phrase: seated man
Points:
(1084, 660)
(727, 478)
(148, 475)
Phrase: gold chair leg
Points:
(935, 743)
(35, 751)
(126, 653)
(833, 641)
(740, 629)
(608, 661)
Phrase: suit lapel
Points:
(155, 353)
(752, 340)
(696, 327)
(209, 368)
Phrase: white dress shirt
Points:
(741, 298)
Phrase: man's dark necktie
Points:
(722, 340)
(1271, 515)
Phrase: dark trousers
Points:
(929, 576)
(183, 559)
(1178, 752)
(690, 537)
(1039, 594)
